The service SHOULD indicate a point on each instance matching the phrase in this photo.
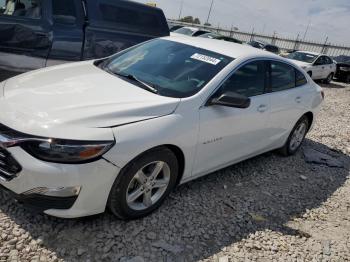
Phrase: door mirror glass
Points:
(231, 99)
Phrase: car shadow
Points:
(200, 218)
(333, 84)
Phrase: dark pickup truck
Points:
(343, 72)
(40, 33)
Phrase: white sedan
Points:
(318, 66)
(189, 31)
(122, 132)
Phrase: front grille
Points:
(9, 167)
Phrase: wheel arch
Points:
(310, 117)
(180, 160)
(176, 150)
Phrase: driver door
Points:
(228, 135)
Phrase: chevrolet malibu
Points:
(122, 132)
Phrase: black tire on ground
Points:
(347, 79)
(117, 201)
(286, 149)
(329, 78)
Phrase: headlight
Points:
(343, 68)
(67, 151)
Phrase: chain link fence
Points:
(283, 43)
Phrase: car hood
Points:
(76, 96)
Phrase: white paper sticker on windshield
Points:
(206, 59)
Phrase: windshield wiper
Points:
(134, 78)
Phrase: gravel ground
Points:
(268, 208)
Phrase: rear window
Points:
(128, 16)
(282, 77)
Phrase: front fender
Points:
(136, 138)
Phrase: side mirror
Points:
(231, 99)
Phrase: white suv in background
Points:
(318, 66)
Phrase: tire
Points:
(347, 79)
(288, 149)
(309, 73)
(128, 184)
(329, 79)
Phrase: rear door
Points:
(116, 25)
(25, 34)
(289, 94)
(330, 66)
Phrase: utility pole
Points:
(307, 29)
(210, 9)
(296, 45)
(181, 7)
(324, 49)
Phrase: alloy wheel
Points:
(148, 185)
(298, 136)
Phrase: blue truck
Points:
(40, 33)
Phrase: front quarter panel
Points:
(134, 139)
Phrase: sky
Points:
(287, 17)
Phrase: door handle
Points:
(298, 99)
(262, 108)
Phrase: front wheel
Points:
(296, 137)
(143, 184)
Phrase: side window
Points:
(249, 80)
(300, 78)
(23, 8)
(328, 60)
(320, 61)
(282, 76)
(132, 19)
(64, 11)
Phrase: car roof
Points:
(311, 53)
(192, 28)
(222, 47)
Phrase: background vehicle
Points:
(190, 31)
(343, 72)
(265, 46)
(125, 130)
(40, 33)
(318, 66)
(174, 27)
(220, 37)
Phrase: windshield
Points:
(209, 35)
(303, 57)
(173, 69)
(184, 31)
